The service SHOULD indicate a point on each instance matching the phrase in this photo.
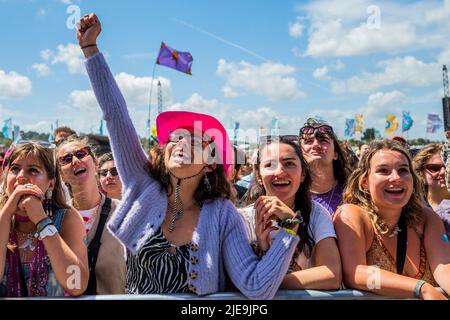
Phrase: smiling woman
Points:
(78, 167)
(384, 223)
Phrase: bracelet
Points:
(290, 231)
(298, 219)
(89, 45)
(417, 288)
(41, 225)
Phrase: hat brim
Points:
(169, 121)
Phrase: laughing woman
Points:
(78, 167)
(182, 232)
(386, 233)
(41, 239)
(284, 177)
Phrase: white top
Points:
(320, 227)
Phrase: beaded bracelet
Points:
(298, 219)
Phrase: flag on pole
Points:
(349, 127)
(7, 128)
(433, 122)
(407, 121)
(51, 138)
(274, 130)
(359, 123)
(16, 134)
(100, 130)
(181, 61)
(391, 124)
(236, 130)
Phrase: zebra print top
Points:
(154, 270)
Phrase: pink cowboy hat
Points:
(169, 121)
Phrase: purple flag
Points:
(172, 58)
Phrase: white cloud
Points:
(41, 69)
(296, 28)
(349, 27)
(444, 56)
(70, 55)
(14, 85)
(41, 12)
(271, 80)
(68, 2)
(333, 39)
(83, 112)
(398, 71)
(321, 73)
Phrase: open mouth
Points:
(394, 190)
(280, 183)
(79, 171)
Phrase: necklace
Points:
(27, 240)
(395, 231)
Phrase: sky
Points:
(253, 61)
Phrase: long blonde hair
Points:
(419, 161)
(46, 157)
(355, 194)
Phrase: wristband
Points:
(417, 288)
(290, 231)
(89, 45)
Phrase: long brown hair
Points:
(46, 157)
(302, 200)
(220, 185)
(419, 161)
(355, 194)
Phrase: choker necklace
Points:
(177, 206)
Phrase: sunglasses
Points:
(79, 154)
(104, 172)
(434, 168)
(309, 130)
(194, 139)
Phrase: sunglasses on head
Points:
(309, 130)
(434, 168)
(104, 172)
(79, 154)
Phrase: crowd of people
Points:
(196, 215)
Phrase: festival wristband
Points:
(417, 288)
(290, 231)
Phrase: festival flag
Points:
(391, 124)
(16, 134)
(236, 130)
(100, 130)
(51, 138)
(7, 128)
(433, 122)
(359, 123)
(274, 130)
(154, 133)
(407, 121)
(172, 58)
(349, 127)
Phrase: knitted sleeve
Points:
(129, 155)
(256, 278)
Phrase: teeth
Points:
(282, 183)
(394, 189)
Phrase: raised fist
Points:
(88, 30)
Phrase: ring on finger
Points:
(28, 185)
(266, 201)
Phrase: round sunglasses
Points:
(434, 168)
(309, 130)
(79, 154)
(104, 172)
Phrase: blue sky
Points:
(253, 60)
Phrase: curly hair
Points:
(419, 161)
(302, 200)
(355, 194)
(46, 157)
(220, 185)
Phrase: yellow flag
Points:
(154, 133)
(359, 122)
(391, 124)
